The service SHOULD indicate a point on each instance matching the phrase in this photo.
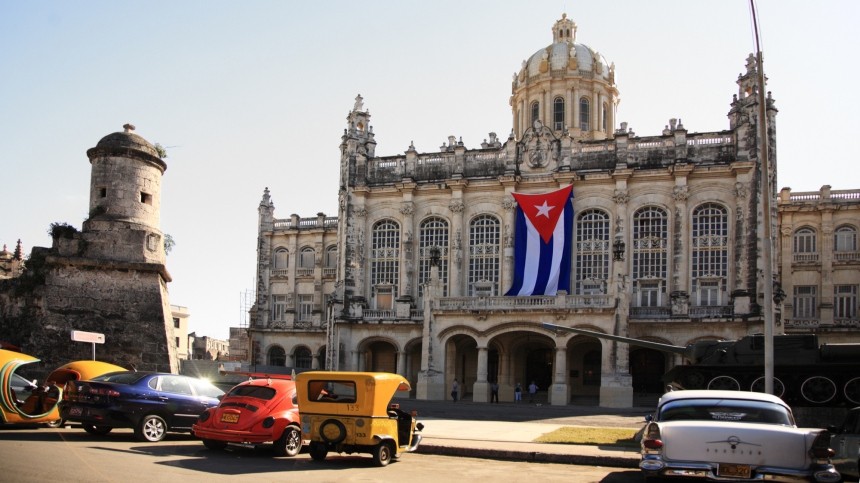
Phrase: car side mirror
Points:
(649, 418)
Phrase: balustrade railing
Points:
(711, 311)
(805, 257)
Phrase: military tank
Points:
(806, 373)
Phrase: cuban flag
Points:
(542, 241)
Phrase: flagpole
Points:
(767, 238)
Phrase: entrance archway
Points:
(647, 367)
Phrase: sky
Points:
(254, 94)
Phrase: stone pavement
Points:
(506, 431)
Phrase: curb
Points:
(530, 456)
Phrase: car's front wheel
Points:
(382, 454)
(57, 423)
(290, 442)
(152, 428)
(317, 451)
(96, 430)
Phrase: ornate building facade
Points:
(409, 276)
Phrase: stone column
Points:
(680, 296)
(616, 387)
(559, 394)
(481, 389)
(506, 278)
(455, 257)
(401, 363)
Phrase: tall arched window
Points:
(605, 119)
(281, 259)
(302, 358)
(805, 249)
(584, 114)
(558, 114)
(276, 356)
(650, 250)
(385, 263)
(845, 239)
(710, 254)
(433, 236)
(592, 252)
(484, 250)
(306, 259)
(535, 112)
(331, 256)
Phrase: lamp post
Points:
(618, 247)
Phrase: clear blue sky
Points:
(252, 94)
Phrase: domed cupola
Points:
(567, 87)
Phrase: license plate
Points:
(75, 411)
(229, 418)
(733, 471)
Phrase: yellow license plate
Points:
(229, 418)
(733, 471)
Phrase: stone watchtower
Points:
(108, 278)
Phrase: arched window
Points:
(558, 114)
(331, 257)
(845, 239)
(302, 357)
(535, 112)
(281, 259)
(605, 119)
(584, 114)
(276, 356)
(805, 249)
(650, 251)
(484, 250)
(433, 240)
(307, 258)
(385, 263)
(592, 252)
(710, 254)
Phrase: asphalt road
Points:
(71, 455)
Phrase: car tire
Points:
(57, 423)
(214, 445)
(152, 428)
(290, 442)
(383, 453)
(332, 431)
(318, 451)
(96, 430)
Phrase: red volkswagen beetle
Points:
(261, 410)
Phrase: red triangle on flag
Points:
(543, 210)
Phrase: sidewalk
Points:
(506, 431)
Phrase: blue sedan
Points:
(151, 403)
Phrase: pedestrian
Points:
(455, 390)
(518, 393)
(532, 391)
(494, 392)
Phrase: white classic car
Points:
(732, 436)
(846, 443)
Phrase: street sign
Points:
(94, 337)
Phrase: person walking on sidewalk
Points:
(455, 390)
(518, 393)
(532, 391)
(494, 392)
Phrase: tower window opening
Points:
(102, 192)
(145, 198)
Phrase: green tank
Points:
(806, 373)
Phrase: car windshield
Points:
(121, 377)
(746, 411)
(332, 391)
(259, 392)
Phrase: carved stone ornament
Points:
(680, 193)
(509, 203)
(456, 206)
(621, 197)
(407, 208)
(360, 212)
(741, 191)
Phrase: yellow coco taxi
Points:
(39, 403)
(351, 412)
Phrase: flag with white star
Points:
(542, 243)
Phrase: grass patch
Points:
(593, 436)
